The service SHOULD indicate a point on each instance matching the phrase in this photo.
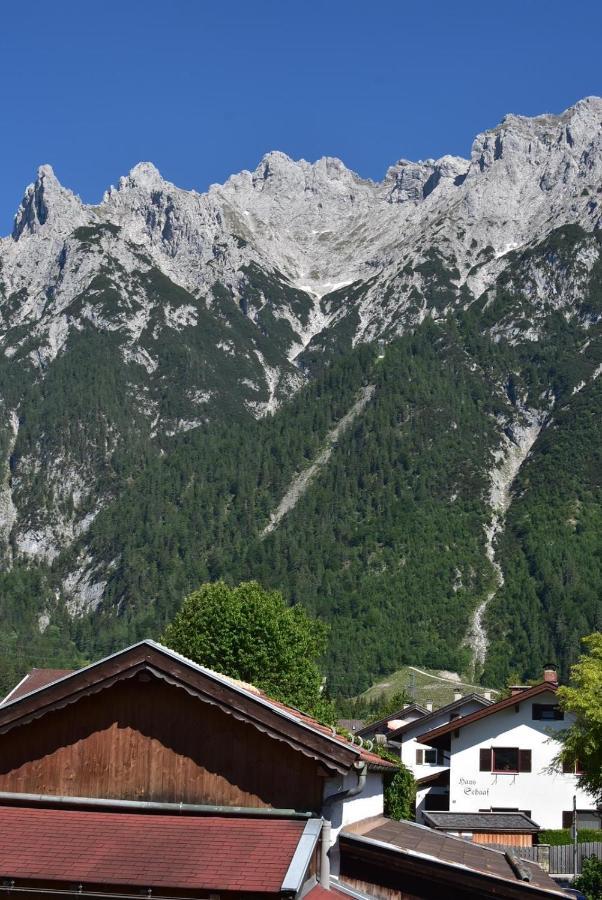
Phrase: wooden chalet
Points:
(146, 772)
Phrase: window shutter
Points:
(568, 767)
(419, 757)
(537, 711)
(524, 760)
(485, 759)
(567, 819)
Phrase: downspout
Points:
(361, 770)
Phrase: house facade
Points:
(430, 765)
(423, 759)
(501, 759)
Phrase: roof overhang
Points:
(275, 720)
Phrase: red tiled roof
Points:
(35, 679)
(185, 852)
(491, 710)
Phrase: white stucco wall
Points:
(369, 803)
(546, 794)
(409, 743)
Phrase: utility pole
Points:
(575, 873)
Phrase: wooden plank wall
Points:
(148, 740)
(510, 840)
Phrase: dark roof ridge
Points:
(444, 709)
(441, 817)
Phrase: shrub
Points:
(560, 836)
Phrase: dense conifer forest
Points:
(388, 543)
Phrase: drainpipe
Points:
(324, 858)
(361, 770)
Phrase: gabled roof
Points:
(436, 734)
(398, 714)
(35, 679)
(438, 859)
(162, 853)
(443, 710)
(244, 702)
(497, 822)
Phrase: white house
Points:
(501, 759)
(430, 765)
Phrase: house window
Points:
(504, 759)
(572, 768)
(429, 757)
(548, 711)
(567, 819)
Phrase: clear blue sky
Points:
(204, 89)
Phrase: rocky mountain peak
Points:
(45, 200)
(527, 141)
(143, 175)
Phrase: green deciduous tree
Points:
(583, 698)
(251, 634)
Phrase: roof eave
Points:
(433, 736)
(210, 687)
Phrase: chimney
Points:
(518, 689)
(428, 704)
(550, 674)
(487, 695)
(457, 695)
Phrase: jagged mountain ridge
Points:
(161, 311)
(319, 226)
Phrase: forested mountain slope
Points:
(173, 361)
